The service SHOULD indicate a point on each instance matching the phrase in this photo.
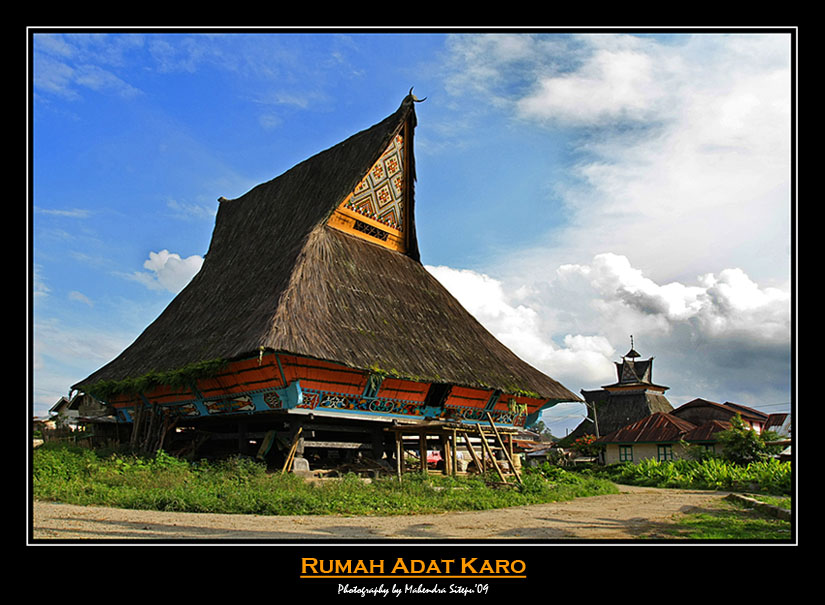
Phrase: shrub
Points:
(769, 475)
(743, 445)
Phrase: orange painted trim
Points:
(344, 219)
(396, 388)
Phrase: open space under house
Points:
(313, 334)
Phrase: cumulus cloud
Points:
(168, 271)
(582, 357)
(717, 305)
(575, 322)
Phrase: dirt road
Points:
(635, 512)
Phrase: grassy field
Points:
(730, 521)
(76, 475)
(238, 485)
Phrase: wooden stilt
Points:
(446, 458)
(399, 454)
(453, 446)
(473, 455)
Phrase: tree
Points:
(742, 445)
(544, 432)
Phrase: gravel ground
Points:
(635, 512)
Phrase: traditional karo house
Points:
(312, 315)
(666, 436)
(632, 397)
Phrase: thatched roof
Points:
(277, 276)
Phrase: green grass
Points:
(80, 476)
(729, 522)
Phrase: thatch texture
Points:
(277, 276)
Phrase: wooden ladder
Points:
(501, 445)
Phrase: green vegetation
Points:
(238, 485)
(769, 476)
(76, 475)
(742, 445)
(182, 377)
(729, 521)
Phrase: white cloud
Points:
(612, 84)
(571, 324)
(80, 297)
(189, 211)
(723, 304)
(73, 213)
(168, 271)
(64, 354)
(520, 327)
(682, 146)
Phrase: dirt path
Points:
(633, 513)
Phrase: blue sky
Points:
(572, 189)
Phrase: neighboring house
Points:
(700, 411)
(40, 424)
(64, 416)
(779, 424)
(68, 413)
(632, 397)
(660, 436)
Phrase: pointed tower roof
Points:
(635, 372)
(306, 264)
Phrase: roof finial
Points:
(414, 98)
(632, 352)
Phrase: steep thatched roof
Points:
(277, 276)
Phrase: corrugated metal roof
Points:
(706, 431)
(656, 427)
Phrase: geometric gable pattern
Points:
(380, 195)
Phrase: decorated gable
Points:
(375, 210)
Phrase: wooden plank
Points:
(341, 445)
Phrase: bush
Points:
(743, 445)
(586, 446)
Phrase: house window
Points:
(664, 452)
(625, 453)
